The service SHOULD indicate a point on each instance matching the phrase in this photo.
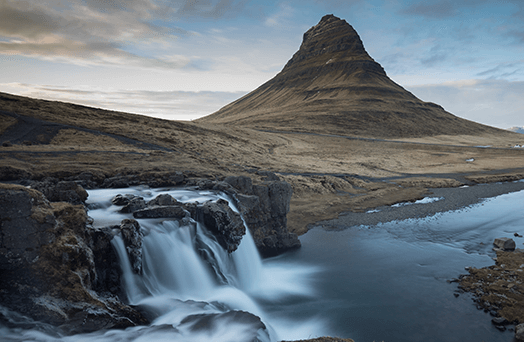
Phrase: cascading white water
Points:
(192, 289)
(186, 272)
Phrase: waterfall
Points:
(192, 289)
(185, 271)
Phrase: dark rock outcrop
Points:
(162, 200)
(264, 208)
(210, 322)
(132, 236)
(134, 204)
(164, 211)
(505, 244)
(519, 332)
(223, 222)
(26, 224)
(61, 191)
(48, 267)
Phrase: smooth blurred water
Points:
(370, 283)
(389, 282)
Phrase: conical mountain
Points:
(332, 86)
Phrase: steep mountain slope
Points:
(332, 86)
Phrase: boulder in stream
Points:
(519, 332)
(505, 244)
(223, 222)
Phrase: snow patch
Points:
(425, 200)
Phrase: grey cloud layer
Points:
(96, 31)
(493, 102)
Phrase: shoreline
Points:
(451, 199)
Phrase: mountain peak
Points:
(332, 86)
(331, 38)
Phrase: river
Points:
(385, 282)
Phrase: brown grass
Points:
(329, 174)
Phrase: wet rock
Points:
(519, 332)
(132, 236)
(135, 203)
(88, 180)
(161, 212)
(265, 209)
(162, 200)
(505, 244)
(205, 184)
(122, 200)
(268, 175)
(499, 321)
(210, 322)
(177, 177)
(108, 272)
(223, 222)
(224, 187)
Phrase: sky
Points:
(182, 60)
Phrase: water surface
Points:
(388, 282)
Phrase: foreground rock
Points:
(499, 289)
(264, 208)
(224, 223)
(505, 244)
(519, 332)
(54, 267)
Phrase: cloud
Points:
(210, 9)
(85, 32)
(518, 34)
(503, 70)
(171, 105)
(497, 103)
(285, 12)
(28, 23)
(432, 9)
(436, 56)
(89, 53)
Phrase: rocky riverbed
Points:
(499, 289)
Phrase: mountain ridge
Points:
(332, 86)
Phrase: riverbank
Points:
(435, 200)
